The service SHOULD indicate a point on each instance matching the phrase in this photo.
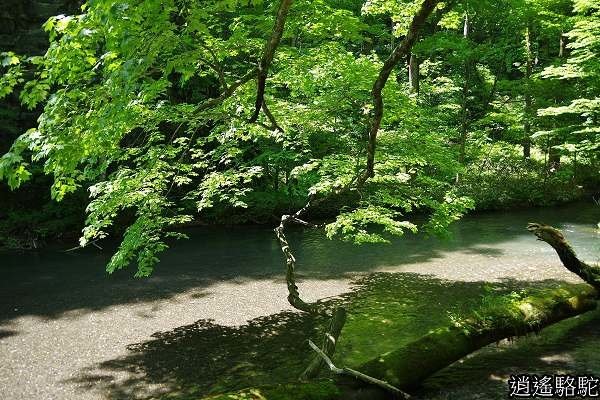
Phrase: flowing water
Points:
(214, 315)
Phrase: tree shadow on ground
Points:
(386, 310)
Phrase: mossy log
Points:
(409, 365)
(412, 363)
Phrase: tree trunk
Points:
(412, 363)
(268, 54)
(400, 52)
(562, 45)
(555, 238)
(464, 124)
(527, 115)
(413, 73)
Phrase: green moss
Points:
(520, 310)
(321, 390)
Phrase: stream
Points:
(214, 314)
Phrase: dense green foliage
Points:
(146, 106)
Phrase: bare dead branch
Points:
(555, 238)
(338, 320)
(397, 393)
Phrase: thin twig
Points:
(399, 394)
(93, 243)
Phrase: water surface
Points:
(215, 307)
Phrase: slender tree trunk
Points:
(562, 45)
(553, 160)
(464, 123)
(400, 52)
(413, 73)
(268, 54)
(528, 101)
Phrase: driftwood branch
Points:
(93, 243)
(329, 343)
(555, 238)
(397, 393)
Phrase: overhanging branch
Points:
(268, 54)
(399, 53)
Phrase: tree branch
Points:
(399, 53)
(215, 65)
(274, 125)
(397, 393)
(227, 93)
(338, 320)
(555, 238)
(268, 54)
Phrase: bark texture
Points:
(412, 363)
(268, 54)
(400, 52)
(589, 273)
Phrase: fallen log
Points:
(412, 363)
(409, 365)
